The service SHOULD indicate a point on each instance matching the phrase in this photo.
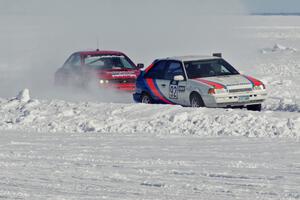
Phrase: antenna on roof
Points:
(217, 55)
(97, 44)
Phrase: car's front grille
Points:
(120, 81)
(240, 90)
(239, 103)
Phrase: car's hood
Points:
(232, 81)
(118, 74)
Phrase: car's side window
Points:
(174, 68)
(157, 71)
(73, 62)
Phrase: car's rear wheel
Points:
(256, 107)
(196, 100)
(146, 98)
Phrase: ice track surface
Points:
(142, 166)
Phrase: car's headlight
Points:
(217, 91)
(259, 87)
(103, 81)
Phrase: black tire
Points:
(256, 107)
(146, 99)
(196, 100)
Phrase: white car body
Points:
(215, 91)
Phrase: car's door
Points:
(156, 84)
(176, 90)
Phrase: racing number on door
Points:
(173, 91)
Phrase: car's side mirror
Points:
(178, 78)
(140, 65)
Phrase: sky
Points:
(272, 5)
(54, 6)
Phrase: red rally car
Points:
(104, 69)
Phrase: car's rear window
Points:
(107, 62)
(208, 68)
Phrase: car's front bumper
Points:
(235, 99)
(137, 97)
(126, 87)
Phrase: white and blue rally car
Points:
(198, 81)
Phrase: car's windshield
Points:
(99, 62)
(208, 68)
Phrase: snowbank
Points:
(72, 117)
(281, 72)
(278, 48)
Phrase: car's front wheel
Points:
(146, 98)
(196, 100)
(256, 107)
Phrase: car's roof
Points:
(101, 52)
(191, 58)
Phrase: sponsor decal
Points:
(122, 74)
(237, 84)
(181, 89)
(173, 90)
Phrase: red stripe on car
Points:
(155, 91)
(254, 81)
(149, 67)
(214, 84)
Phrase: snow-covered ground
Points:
(58, 144)
(22, 113)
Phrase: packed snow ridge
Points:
(23, 96)
(23, 113)
(278, 48)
